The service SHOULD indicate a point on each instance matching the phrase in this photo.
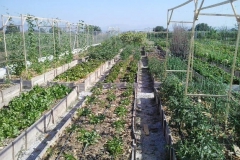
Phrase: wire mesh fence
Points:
(32, 45)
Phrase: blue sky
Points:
(125, 14)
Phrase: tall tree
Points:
(159, 29)
(202, 27)
(11, 28)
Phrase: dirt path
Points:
(151, 144)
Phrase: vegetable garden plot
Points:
(102, 129)
(191, 117)
(45, 43)
(24, 110)
(125, 70)
(79, 72)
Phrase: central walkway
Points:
(151, 144)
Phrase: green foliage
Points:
(121, 111)
(115, 146)
(199, 123)
(11, 28)
(128, 50)
(128, 92)
(159, 29)
(156, 67)
(91, 99)
(125, 101)
(111, 96)
(96, 90)
(131, 72)
(119, 125)
(137, 38)
(116, 70)
(106, 51)
(24, 110)
(88, 138)
(202, 27)
(84, 112)
(216, 52)
(215, 73)
(96, 119)
(79, 71)
(68, 156)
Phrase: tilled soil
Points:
(69, 142)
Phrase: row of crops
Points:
(31, 105)
(102, 129)
(45, 43)
(24, 110)
(202, 127)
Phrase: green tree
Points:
(11, 28)
(202, 27)
(97, 28)
(159, 29)
(42, 30)
(56, 29)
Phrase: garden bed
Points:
(46, 115)
(102, 129)
(8, 92)
(90, 73)
(14, 89)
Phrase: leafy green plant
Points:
(121, 111)
(88, 138)
(111, 96)
(69, 156)
(115, 146)
(119, 125)
(24, 110)
(125, 101)
(91, 99)
(127, 93)
(96, 119)
(79, 71)
(84, 112)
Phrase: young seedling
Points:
(69, 156)
(84, 112)
(88, 138)
(125, 101)
(111, 96)
(115, 146)
(121, 111)
(97, 119)
(119, 125)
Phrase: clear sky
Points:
(125, 14)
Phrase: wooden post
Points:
(5, 46)
(191, 46)
(24, 45)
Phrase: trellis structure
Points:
(52, 37)
(197, 12)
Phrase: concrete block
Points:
(48, 76)
(38, 80)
